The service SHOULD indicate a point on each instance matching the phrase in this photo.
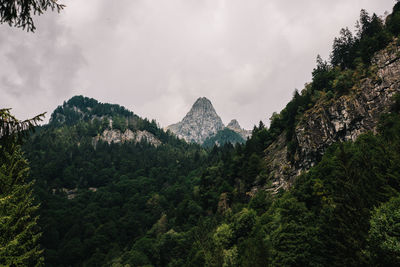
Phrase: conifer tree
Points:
(20, 13)
(19, 232)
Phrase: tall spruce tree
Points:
(19, 232)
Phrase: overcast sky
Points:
(157, 57)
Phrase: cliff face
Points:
(235, 126)
(200, 122)
(341, 119)
(116, 136)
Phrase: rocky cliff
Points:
(200, 122)
(235, 126)
(341, 119)
(116, 136)
(110, 123)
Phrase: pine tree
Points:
(19, 232)
(21, 13)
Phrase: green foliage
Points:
(324, 219)
(223, 137)
(179, 204)
(349, 62)
(19, 232)
(372, 36)
(243, 222)
(393, 20)
(80, 108)
(230, 257)
(384, 234)
(293, 234)
(100, 199)
(343, 52)
(343, 82)
(322, 76)
(350, 180)
(223, 236)
(20, 13)
(13, 130)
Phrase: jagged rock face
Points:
(234, 126)
(343, 119)
(116, 136)
(201, 122)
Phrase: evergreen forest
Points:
(70, 198)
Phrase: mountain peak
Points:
(200, 122)
(234, 124)
(203, 105)
(84, 108)
(202, 102)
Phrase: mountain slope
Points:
(222, 137)
(98, 197)
(235, 126)
(105, 122)
(124, 203)
(80, 108)
(200, 122)
(343, 118)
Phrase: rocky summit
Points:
(200, 122)
(235, 126)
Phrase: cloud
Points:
(38, 68)
(157, 57)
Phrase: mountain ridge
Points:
(180, 204)
(235, 126)
(109, 123)
(202, 122)
(337, 120)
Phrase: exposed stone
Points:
(200, 122)
(71, 193)
(116, 136)
(342, 119)
(234, 126)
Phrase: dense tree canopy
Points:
(134, 203)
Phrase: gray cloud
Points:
(38, 71)
(157, 57)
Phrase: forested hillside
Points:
(116, 190)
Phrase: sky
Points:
(157, 57)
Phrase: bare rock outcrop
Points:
(200, 122)
(235, 126)
(340, 119)
(116, 136)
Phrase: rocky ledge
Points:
(235, 126)
(116, 136)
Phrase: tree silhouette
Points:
(19, 13)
